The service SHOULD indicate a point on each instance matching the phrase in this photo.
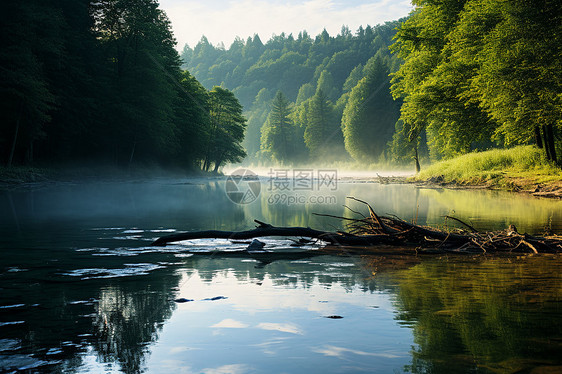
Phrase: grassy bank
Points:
(522, 168)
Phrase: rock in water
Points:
(182, 300)
(255, 245)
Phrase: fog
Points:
(75, 209)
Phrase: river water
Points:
(81, 290)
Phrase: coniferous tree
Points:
(370, 114)
(278, 135)
(295, 66)
(257, 117)
(322, 134)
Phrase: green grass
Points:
(518, 167)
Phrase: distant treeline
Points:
(101, 81)
(308, 99)
(465, 75)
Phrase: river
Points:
(81, 290)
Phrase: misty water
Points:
(81, 290)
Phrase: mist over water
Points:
(82, 290)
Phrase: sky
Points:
(223, 20)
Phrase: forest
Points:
(480, 74)
(308, 98)
(86, 81)
(453, 77)
(100, 82)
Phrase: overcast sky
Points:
(223, 20)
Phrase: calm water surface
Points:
(82, 292)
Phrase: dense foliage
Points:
(370, 114)
(480, 73)
(278, 132)
(101, 81)
(295, 90)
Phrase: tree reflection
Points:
(500, 315)
(349, 273)
(129, 317)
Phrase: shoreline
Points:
(545, 190)
(19, 177)
(31, 177)
(522, 169)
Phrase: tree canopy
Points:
(100, 81)
(314, 74)
(278, 132)
(481, 73)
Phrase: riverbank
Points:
(21, 176)
(518, 169)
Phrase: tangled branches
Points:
(460, 240)
(373, 230)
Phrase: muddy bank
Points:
(551, 189)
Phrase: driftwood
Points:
(264, 229)
(374, 230)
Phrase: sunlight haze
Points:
(222, 20)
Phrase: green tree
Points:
(30, 43)
(306, 91)
(407, 147)
(186, 55)
(431, 95)
(278, 134)
(370, 115)
(322, 134)
(99, 81)
(138, 40)
(518, 52)
(353, 78)
(256, 119)
(480, 70)
(327, 86)
(192, 113)
(296, 66)
(227, 129)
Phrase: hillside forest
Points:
(101, 81)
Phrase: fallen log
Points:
(374, 230)
(264, 229)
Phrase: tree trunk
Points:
(29, 155)
(218, 163)
(550, 145)
(538, 137)
(265, 229)
(132, 153)
(416, 158)
(546, 142)
(11, 158)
